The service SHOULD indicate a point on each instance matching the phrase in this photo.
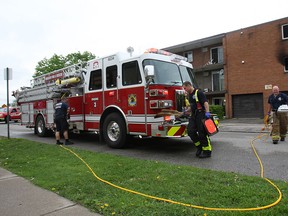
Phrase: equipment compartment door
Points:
(25, 113)
(50, 111)
(76, 107)
(31, 112)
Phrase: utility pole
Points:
(8, 76)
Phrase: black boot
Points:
(68, 142)
(275, 141)
(199, 151)
(58, 142)
(205, 154)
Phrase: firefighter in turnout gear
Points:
(199, 109)
(279, 126)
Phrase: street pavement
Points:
(20, 197)
(249, 125)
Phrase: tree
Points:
(58, 61)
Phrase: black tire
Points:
(114, 131)
(40, 128)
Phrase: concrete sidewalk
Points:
(20, 197)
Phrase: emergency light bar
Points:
(158, 51)
(174, 57)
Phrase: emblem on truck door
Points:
(132, 100)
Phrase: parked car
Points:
(14, 112)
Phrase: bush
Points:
(218, 110)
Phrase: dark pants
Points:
(197, 132)
(61, 124)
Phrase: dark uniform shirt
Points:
(201, 98)
(278, 100)
(61, 110)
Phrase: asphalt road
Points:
(232, 151)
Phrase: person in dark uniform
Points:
(279, 126)
(60, 119)
(199, 109)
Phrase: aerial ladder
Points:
(68, 81)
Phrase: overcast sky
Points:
(31, 30)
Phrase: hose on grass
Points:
(187, 204)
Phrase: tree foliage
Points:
(58, 61)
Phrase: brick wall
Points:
(254, 58)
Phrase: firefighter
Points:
(199, 109)
(60, 119)
(279, 126)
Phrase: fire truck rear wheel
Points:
(114, 131)
(40, 128)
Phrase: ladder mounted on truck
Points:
(73, 71)
(54, 84)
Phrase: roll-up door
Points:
(247, 106)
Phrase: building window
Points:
(216, 55)
(189, 56)
(218, 80)
(285, 31)
(286, 64)
(111, 76)
(131, 73)
(218, 101)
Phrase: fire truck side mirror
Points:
(149, 72)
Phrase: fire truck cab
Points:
(116, 96)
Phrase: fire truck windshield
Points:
(168, 73)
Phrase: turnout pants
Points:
(279, 126)
(197, 132)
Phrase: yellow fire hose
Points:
(191, 205)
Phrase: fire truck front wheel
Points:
(114, 131)
(40, 128)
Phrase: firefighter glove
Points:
(207, 115)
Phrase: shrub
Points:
(218, 110)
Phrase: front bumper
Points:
(169, 130)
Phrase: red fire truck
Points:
(115, 96)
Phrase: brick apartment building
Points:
(238, 69)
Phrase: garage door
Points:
(247, 106)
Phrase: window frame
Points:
(186, 54)
(286, 30)
(221, 85)
(218, 55)
(92, 85)
(137, 74)
(110, 70)
(285, 60)
(221, 100)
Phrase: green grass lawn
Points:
(58, 170)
